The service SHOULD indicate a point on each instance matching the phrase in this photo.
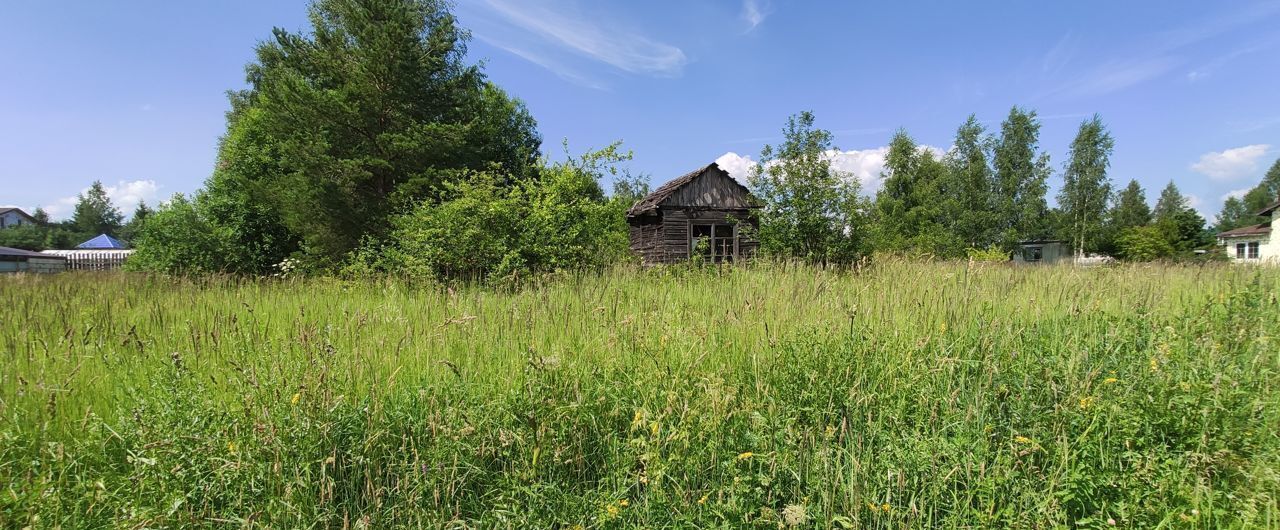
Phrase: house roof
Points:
(1251, 230)
(9, 252)
(651, 201)
(1269, 209)
(103, 241)
(19, 212)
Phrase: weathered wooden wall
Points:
(646, 242)
(660, 222)
(715, 189)
(664, 238)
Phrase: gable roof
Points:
(651, 201)
(19, 212)
(103, 241)
(1251, 230)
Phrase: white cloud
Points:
(1117, 75)
(1155, 55)
(866, 165)
(1207, 69)
(593, 38)
(738, 166)
(1232, 163)
(1059, 55)
(1239, 194)
(125, 195)
(563, 72)
(754, 12)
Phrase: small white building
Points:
(1042, 252)
(1254, 243)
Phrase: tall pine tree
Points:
(94, 213)
(373, 110)
(1171, 202)
(1182, 226)
(1131, 208)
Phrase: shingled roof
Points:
(1245, 231)
(651, 201)
(19, 212)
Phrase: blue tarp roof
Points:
(103, 241)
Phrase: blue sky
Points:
(133, 93)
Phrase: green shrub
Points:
(1144, 243)
(992, 254)
(483, 230)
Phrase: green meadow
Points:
(899, 395)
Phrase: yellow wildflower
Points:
(295, 399)
(746, 455)
(653, 428)
(637, 420)
(1085, 402)
(1022, 439)
(231, 447)
(624, 503)
(612, 511)
(885, 508)
(703, 500)
(1110, 381)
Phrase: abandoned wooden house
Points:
(703, 213)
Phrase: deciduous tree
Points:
(810, 210)
(1021, 175)
(1086, 186)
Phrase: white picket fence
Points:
(92, 260)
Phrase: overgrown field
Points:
(904, 395)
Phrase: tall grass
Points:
(904, 395)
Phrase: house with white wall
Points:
(1253, 243)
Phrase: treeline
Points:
(979, 199)
(369, 145)
(94, 214)
(989, 191)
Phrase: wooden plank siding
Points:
(715, 190)
(661, 223)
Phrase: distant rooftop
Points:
(103, 241)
